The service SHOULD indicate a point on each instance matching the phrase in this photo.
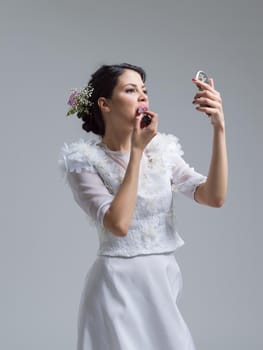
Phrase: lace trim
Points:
(156, 232)
(144, 236)
(169, 143)
(79, 155)
(190, 184)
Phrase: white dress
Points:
(130, 293)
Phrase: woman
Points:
(124, 176)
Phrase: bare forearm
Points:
(122, 207)
(213, 191)
(216, 184)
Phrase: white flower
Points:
(80, 101)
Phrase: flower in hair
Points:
(80, 102)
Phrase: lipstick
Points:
(146, 119)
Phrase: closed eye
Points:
(129, 90)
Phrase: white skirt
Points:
(130, 303)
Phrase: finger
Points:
(138, 121)
(202, 85)
(152, 114)
(206, 110)
(211, 80)
(206, 102)
(208, 94)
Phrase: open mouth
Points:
(142, 109)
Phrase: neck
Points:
(117, 141)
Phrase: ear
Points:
(103, 104)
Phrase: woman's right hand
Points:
(142, 136)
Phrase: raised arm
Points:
(213, 191)
(122, 207)
(111, 211)
(119, 215)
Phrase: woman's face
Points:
(129, 93)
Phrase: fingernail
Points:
(193, 79)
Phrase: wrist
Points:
(136, 152)
(219, 128)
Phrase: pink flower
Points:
(71, 100)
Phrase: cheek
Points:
(127, 98)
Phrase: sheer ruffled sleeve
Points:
(90, 193)
(86, 185)
(184, 178)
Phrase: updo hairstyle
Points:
(104, 81)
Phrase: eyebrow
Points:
(133, 84)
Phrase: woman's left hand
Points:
(210, 102)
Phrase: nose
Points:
(143, 97)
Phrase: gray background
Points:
(49, 47)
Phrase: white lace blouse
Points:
(94, 174)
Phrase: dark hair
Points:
(103, 81)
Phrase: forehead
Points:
(130, 76)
